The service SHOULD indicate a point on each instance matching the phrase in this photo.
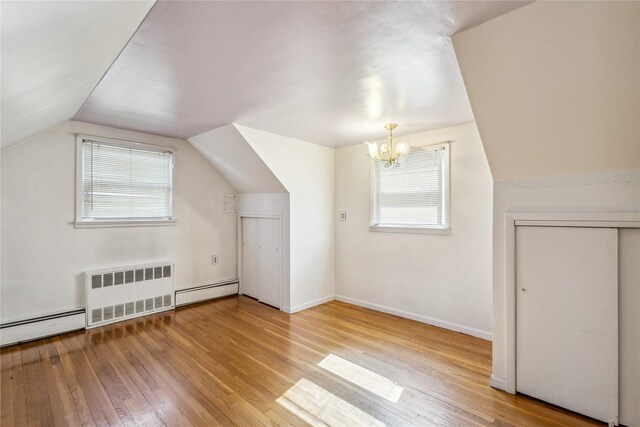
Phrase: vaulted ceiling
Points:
(327, 72)
(53, 55)
(561, 94)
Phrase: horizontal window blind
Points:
(412, 194)
(125, 183)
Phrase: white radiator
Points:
(122, 293)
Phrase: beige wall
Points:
(438, 279)
(44, 256)
(555, 87)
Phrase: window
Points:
(413, 197)
(122, 182)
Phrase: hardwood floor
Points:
(237, 362)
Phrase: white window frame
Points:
(446, 203)
(88, 223)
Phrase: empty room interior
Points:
(340, 213)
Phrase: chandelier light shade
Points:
(388, 153)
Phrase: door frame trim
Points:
(542, 219)
(266, 215)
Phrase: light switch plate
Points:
(343, 215)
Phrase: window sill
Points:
(410, 230)
(107, 224)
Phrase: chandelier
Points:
(386, 152)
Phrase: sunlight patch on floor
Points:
(362, 377)
(318, 407)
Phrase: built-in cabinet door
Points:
(269, 261)
(250, 257)
(629, 275)
(567, 317)
(261, 260)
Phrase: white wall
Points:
(43, 255)
(270, 203)
(439, 279)
(306, 170)
(555, 87)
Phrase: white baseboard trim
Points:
(41, 327)
(204, 293)
(417, 317)
(498, 383)
(306, 305)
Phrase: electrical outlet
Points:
(343, 215)
(214, 259)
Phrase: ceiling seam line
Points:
(115, 59)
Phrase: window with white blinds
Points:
(125, 183)
(413, 194)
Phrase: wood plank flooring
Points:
(235, 361)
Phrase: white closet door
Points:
(269, 261)
(567, 317)
(250, 263)
(629, 268)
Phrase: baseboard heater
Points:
(34, 328)
(41, 327)
(118, 294)
(206, 292)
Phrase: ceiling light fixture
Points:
(386, 152)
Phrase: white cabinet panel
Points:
(629, 251)
(261, 259)
(269, 264)
(250, 259)
(567, 317)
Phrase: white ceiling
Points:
(53, 55)
(238, 163)
(327, 72)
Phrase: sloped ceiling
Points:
(53, 55)
(555, 88)
(326, 72)
(237, 162)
